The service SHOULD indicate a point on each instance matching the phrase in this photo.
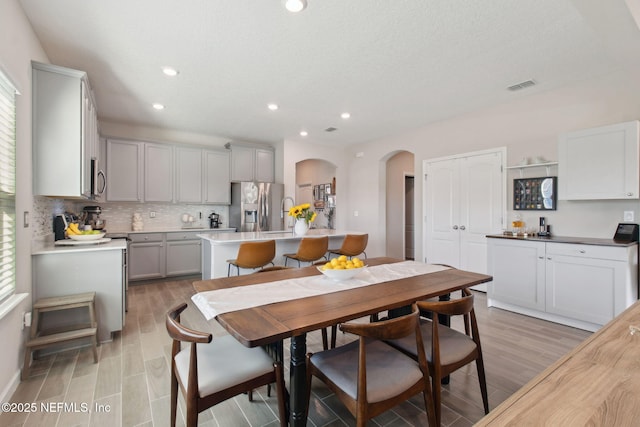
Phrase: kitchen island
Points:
(217, 248)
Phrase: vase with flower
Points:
(303, 215)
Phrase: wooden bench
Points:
(40, 338)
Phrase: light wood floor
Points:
(130, 384)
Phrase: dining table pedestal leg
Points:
(298, 381)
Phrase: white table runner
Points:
(213, 303)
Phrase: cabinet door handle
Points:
(455, 227)
(582, 251)
(549, 258)
(540, 257)
(629, 194)
(462, 227)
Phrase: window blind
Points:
(7, 188)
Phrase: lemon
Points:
(342, 258)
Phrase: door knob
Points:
(462, 227)
(455, 227)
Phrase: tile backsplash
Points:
(119, 215)
(167, 216)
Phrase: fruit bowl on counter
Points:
(86, 237)
(342, 268)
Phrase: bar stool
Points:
(311, 249)
(253, 255)
(352, 245)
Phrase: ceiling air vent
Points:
(331, 129)
(522, 85)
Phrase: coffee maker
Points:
(91, 216)
(214, 220)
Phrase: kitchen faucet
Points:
(283, 212)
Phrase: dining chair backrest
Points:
(369, 376)
(447, 349)
(211, 371)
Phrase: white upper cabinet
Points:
(125, 163)
(264, 165)
(65, 132)
(158, 172)
(216, 177)
(599, 163)
(189, 175)
(243, 163)
(250, 163)
(154, 172)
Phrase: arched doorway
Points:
(315, 184)
(399, 205)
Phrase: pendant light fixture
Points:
(295, 6)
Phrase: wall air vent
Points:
(522, 85)
(331, 129)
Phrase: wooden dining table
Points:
(271, 323)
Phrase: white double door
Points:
(464, 200)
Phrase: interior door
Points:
(481, 208)
(442, 241)
(464, 201)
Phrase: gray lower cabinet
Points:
(183, 254)
(146, 256)
(158, 255)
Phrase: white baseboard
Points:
(10, 388)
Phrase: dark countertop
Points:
(563, 239)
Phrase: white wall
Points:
(528, 127)
(18, 46)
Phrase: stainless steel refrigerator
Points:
(256, 206)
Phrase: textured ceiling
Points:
(395, 65)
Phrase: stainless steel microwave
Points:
(98, 180)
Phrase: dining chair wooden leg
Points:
(282, 395)
(174, 398)
(334, 333)
(325, 340)
(483, 383)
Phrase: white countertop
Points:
(171, 230)
(48, 247)
(223, 238)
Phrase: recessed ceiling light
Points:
(272, 107)
(295, 5)
(345, 115)
(158, 106)
(169, 71)
(304, 133)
